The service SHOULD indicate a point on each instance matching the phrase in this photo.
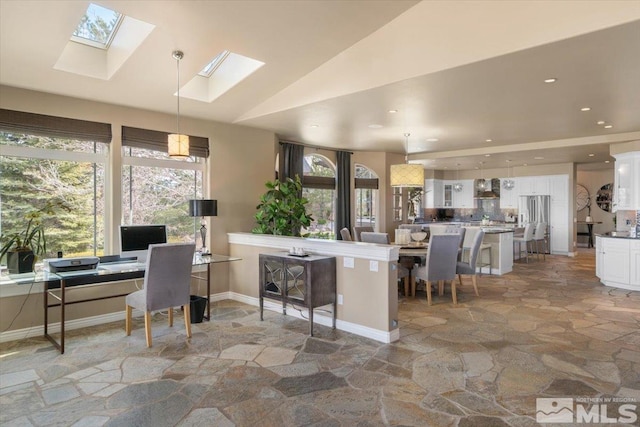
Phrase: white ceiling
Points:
(461, 72)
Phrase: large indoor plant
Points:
(282, 209)
(22, 247)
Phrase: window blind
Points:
(371, 183)
(157, 140)
(321, 182)
(52, 126)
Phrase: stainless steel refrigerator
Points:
(535, 209)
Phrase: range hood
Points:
(487, 189)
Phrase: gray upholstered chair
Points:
(372, 237)
(526, 238)
(346, 236)
(469, 268)
(167, 281)
(383, 238)
(359, 229)
(540, 235)
(442, 258)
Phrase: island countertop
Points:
(618, 235)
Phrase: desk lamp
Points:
(203, 208)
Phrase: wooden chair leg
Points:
(147, 327)
(127, 320)
(170, 316)
(453, 292)
(474, 280)
(440, 287)
(460, 279)
(187, 319)
(413, 286)
(406, 286)
(428, 289)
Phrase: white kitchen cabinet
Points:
(626, 195)
(509, 198)
(428, 194)
(464, 199)
(558, 187)
(615, 266)
(435, 197)
(448, 194)
(533, 185)
(559, 227)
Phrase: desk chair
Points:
(346, 236)
(167, 284)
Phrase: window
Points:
(319, 188)
(37, 169)
(97, 26)
(366, 192)
(156, 188)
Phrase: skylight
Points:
(211, 67)
(97, 27)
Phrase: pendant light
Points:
(407, 175)
(178, 143)
(481, 184)
(508, 183)
(457, 187)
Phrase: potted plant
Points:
(22, 247)
(282, 209)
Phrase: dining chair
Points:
(359, 229)
(383, 238)
(441, 263)
(469, 267)
(540, 235)
(167, 284)
(526, 238)
(345, 234)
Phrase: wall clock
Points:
(582, 197)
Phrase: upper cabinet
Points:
(626, 195)
(441, 194)
(533, 185)
(463, 199)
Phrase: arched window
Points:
(366, 186)
(319, 187)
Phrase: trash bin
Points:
(197, 306)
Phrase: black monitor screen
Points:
(139, 237)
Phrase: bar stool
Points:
(526, 238)
(540, 235)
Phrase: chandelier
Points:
(508, 183)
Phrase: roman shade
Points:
(52, 126)
(157, 140)
(368, 183)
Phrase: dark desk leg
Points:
(310, 321)
(60, 345)
(590, 227)
(209, 292)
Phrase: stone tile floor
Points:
(548, 329)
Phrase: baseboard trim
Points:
(364, 331)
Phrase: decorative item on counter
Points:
(485, 219)
(403, 236)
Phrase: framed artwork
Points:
(604, 197)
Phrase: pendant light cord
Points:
(178, 55)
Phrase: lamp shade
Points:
(178, 145)
(407, 175)
(203, 207)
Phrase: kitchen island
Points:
(618, 260)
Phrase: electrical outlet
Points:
(340, 299)
(348, 262)
(373, 265)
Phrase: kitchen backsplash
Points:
(490, 208)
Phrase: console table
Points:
(308, 281)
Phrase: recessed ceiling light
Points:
(393, 111)
(487, 155)
(432, 139)
(374, 126)
(600, 122)
(524, 164)
(585, 109)
(315, 126)
(606, 161)
(550, 80)
(608, 126)
(591, 155)
(488, 140)
(538, 158)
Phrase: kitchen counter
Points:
(619, 235)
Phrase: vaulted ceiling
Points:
(465, 78)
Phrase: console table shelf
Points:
(307, 282)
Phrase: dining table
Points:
(411, 254)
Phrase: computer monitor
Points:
(135, 239)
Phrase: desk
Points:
(589, 231)
(57, 285)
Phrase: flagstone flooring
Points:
(548, 329)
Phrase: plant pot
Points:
(20, 261)
(198, 306)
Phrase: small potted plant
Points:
(23, 247)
